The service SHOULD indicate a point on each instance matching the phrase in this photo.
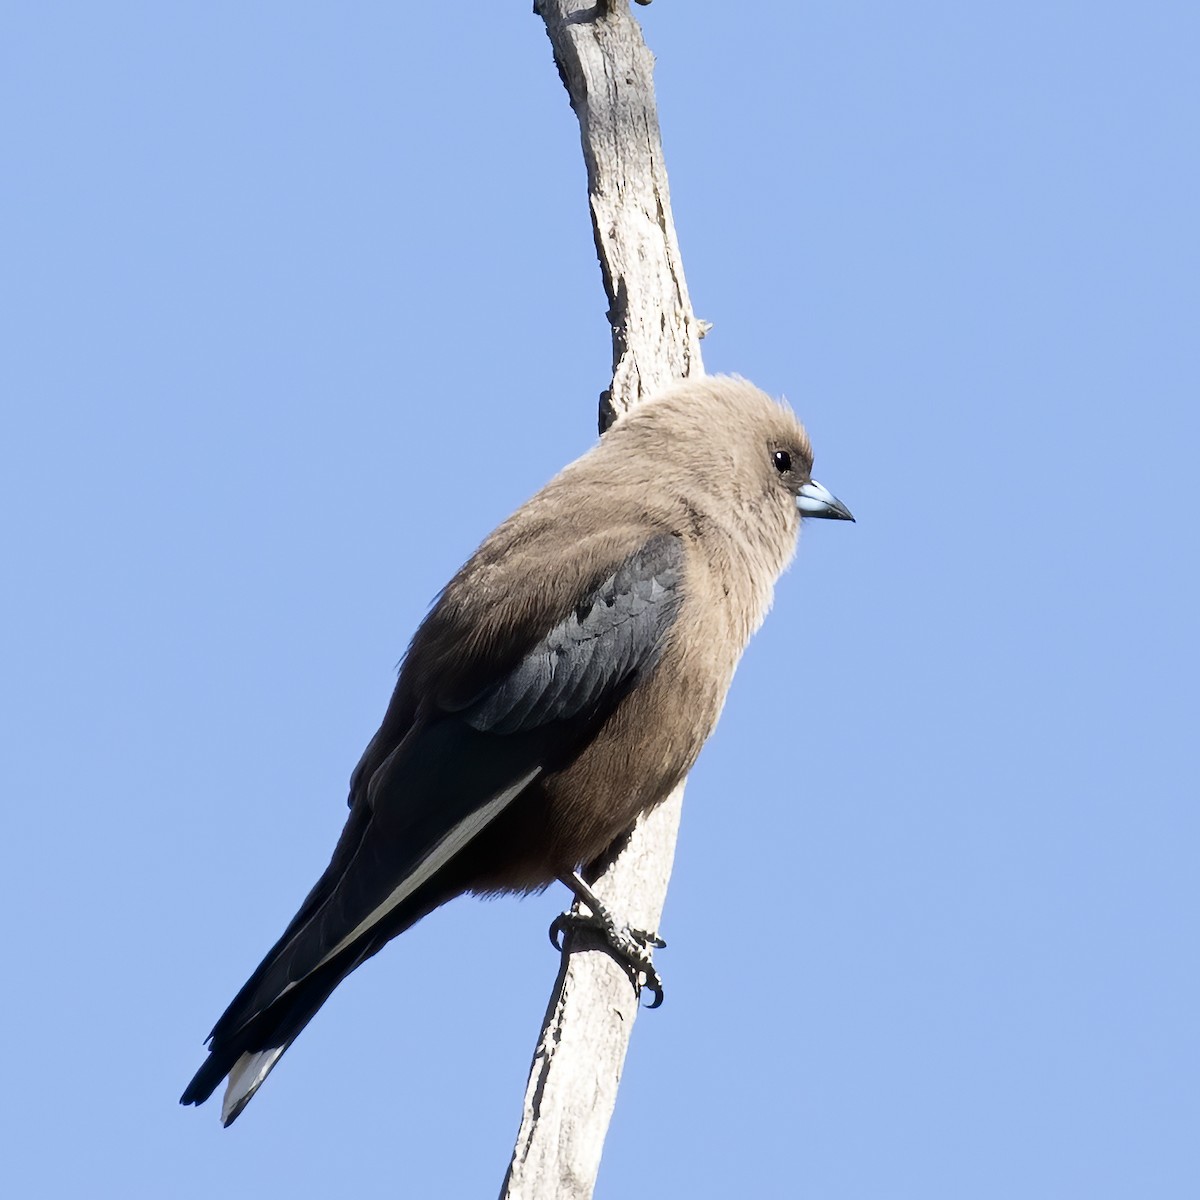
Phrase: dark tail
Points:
(250, 1038)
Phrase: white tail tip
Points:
(245, 1079)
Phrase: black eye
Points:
(782, 460)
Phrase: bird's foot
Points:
(631, 947)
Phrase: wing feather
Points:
(452, 772)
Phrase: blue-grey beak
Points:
(815, 501)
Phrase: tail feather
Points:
(248, 1055)
(246, 1078)
(246, 1044)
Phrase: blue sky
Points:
(298, 302)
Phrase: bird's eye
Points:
(782, 460)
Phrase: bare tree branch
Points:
(608, 74)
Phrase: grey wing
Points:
(590, 657)
(457, 768)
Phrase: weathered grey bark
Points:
(608, 74)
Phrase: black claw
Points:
(654, 985)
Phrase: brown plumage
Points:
(563, 683)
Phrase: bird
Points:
(562, 684)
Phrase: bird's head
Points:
(747, 456)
